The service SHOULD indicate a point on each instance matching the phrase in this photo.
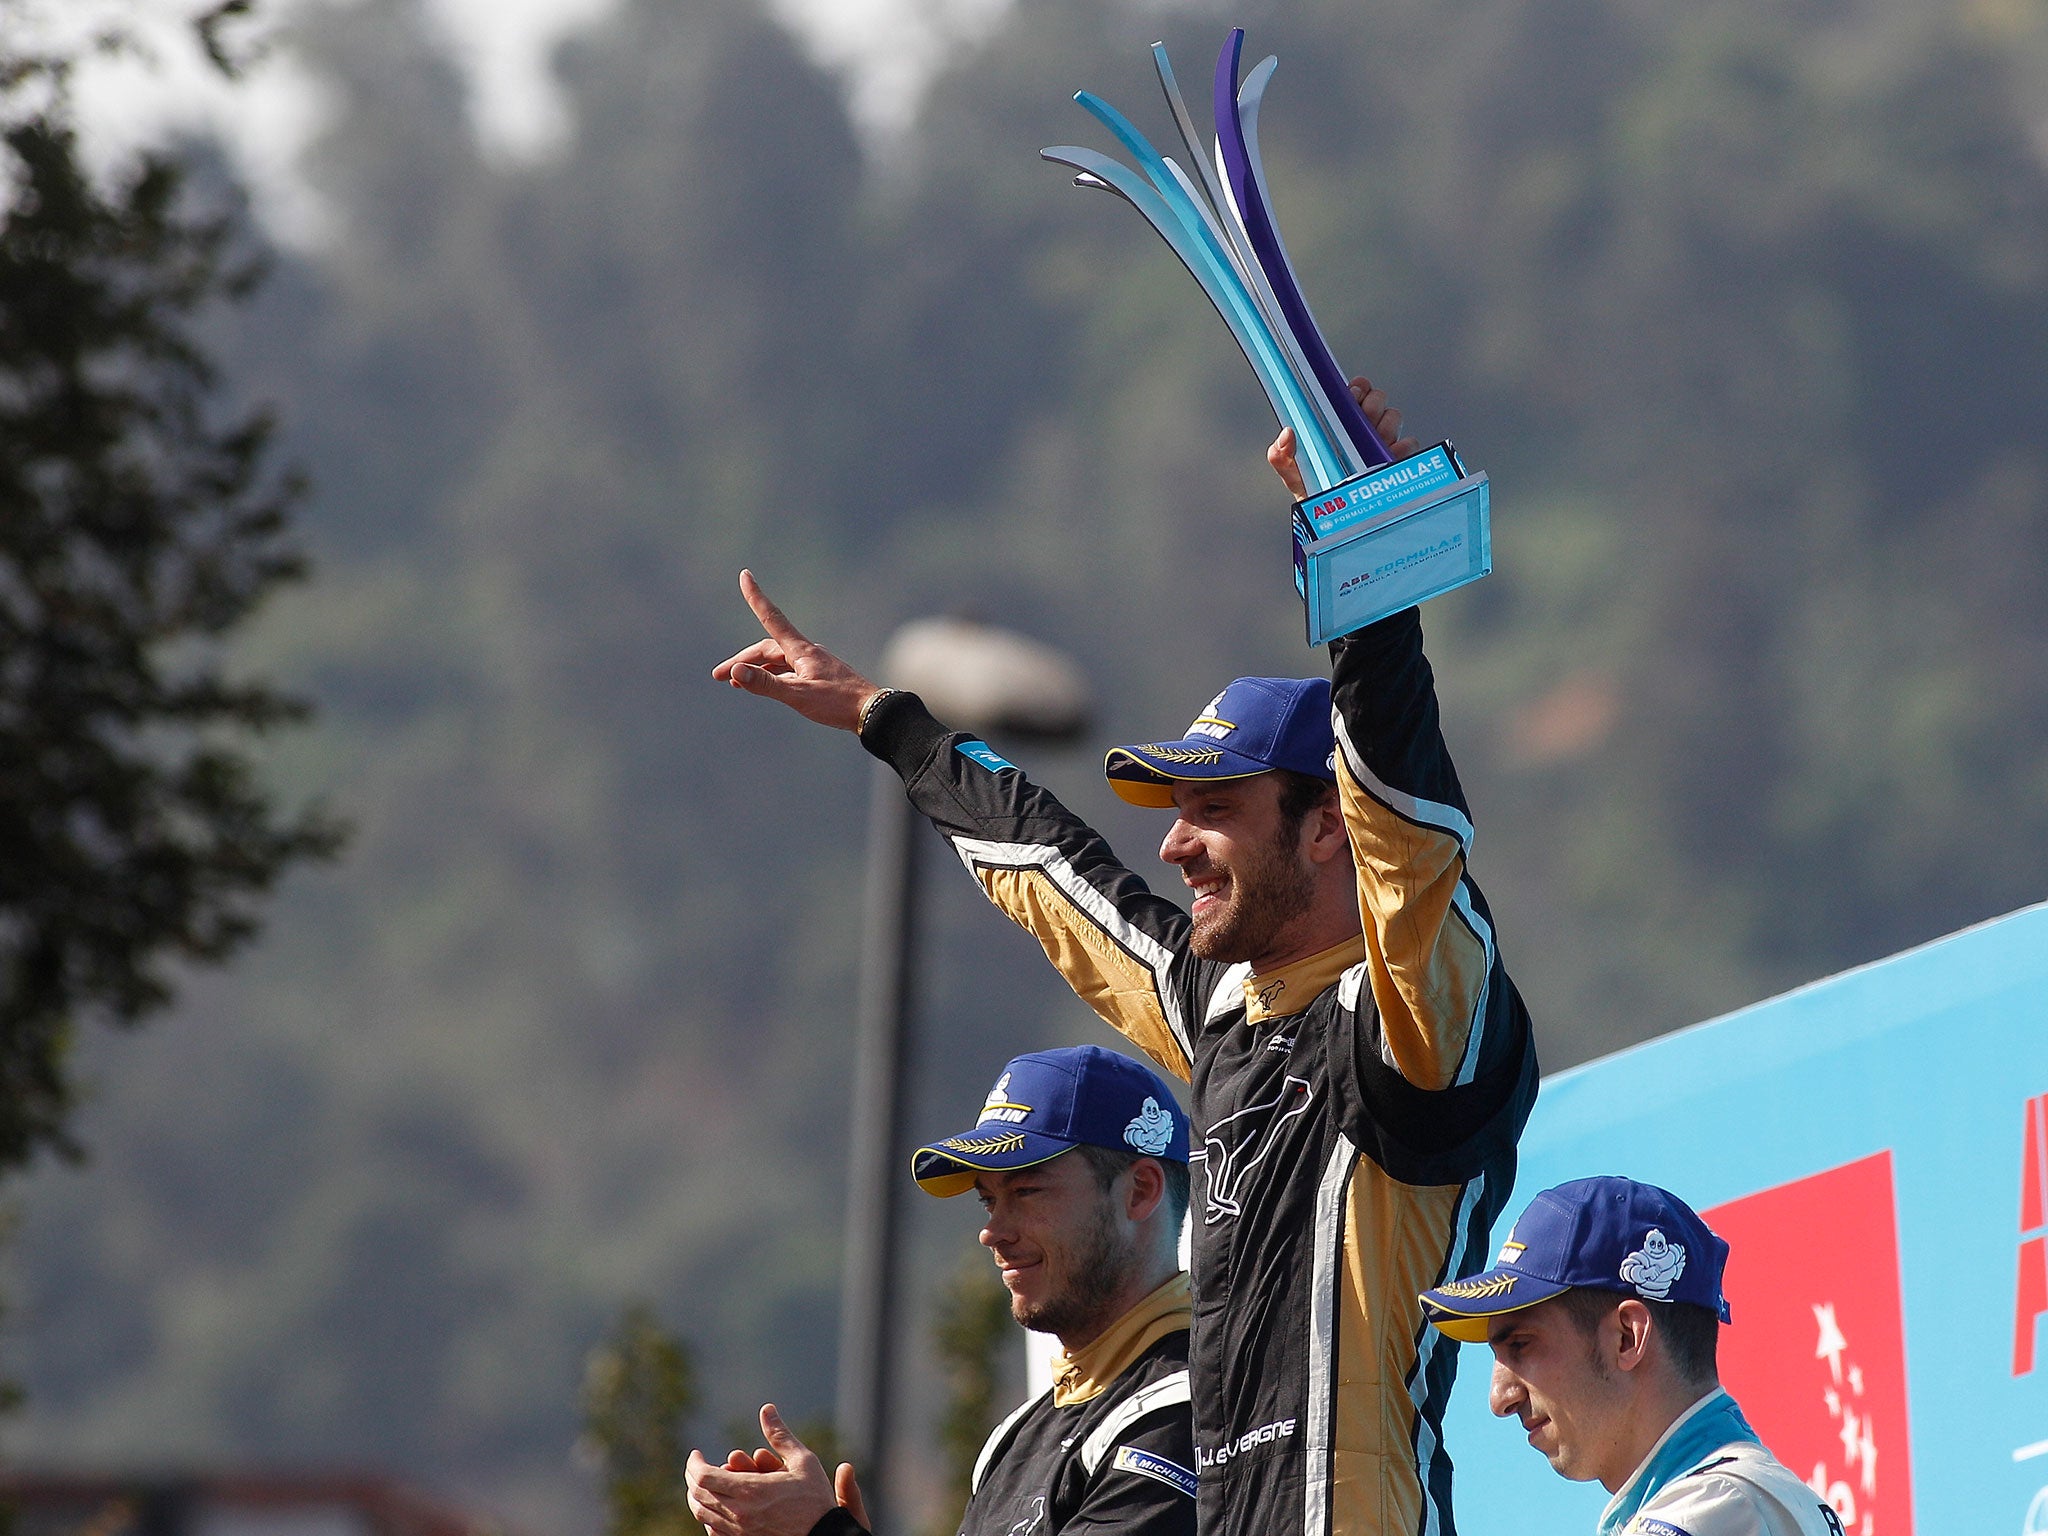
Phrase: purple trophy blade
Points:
(1246, 261)
(1258, 226)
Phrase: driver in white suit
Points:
(1603, 1310)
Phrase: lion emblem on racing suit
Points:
(1238, 1143)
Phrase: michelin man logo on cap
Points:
(997, 1105)
(1152, 1131)
(1209, 723)
(1655, 1267)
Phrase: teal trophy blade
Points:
(1257, 344)
(1290, 399)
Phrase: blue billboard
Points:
(1875, 1149)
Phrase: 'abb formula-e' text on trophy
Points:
(1371, 537)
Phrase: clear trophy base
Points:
(1388, 539)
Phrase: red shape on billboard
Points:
(2034, 1168)
(1816, 1353)
(2030, 1293)
(2031, 1302)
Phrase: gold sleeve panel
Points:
(1427, 967)
(1103, 974)
(1395, 1238)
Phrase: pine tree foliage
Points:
(139, 527)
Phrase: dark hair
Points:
(1109, 1164)
(1300, 793)
(1691, 1333)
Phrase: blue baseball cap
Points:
(1256, 724)
(1603, 1234)
(1049, 1102)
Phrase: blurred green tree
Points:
(639, 1388)
(971, 1329)
(140, 525)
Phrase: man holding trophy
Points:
(1361, 1065)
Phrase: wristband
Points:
(867, 709)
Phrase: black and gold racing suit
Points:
(1105, 1452)
(1355, 1114)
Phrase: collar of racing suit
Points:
(1277, 993)
(1089, 1370)
(1709, 1425)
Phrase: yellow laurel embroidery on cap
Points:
(1478, 1290)
(1182, 754)
(985, 1146)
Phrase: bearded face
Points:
(1063, 1253)
(1242, 858)
(1263, 889)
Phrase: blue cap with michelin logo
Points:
(1049, 1102)
(1605, 1234)
(1256, 724)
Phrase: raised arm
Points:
(1429, 944)
(1121, 948)
(1432, 961)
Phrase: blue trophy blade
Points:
(1246, 184)
(1330, 439)
(1185, 123)
(1246, 261)
(1258, 346)
(1294, 405)
(1226, 240)
(1192, 233)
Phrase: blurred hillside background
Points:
(1743, 304)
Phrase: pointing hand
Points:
(793, 670)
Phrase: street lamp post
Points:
(992, 682)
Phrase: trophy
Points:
(1372, 536)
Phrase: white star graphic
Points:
(1856, 1379)
(1831, 1341)
(1868, 1447)
(1834, 1402)
(1850, 1424)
